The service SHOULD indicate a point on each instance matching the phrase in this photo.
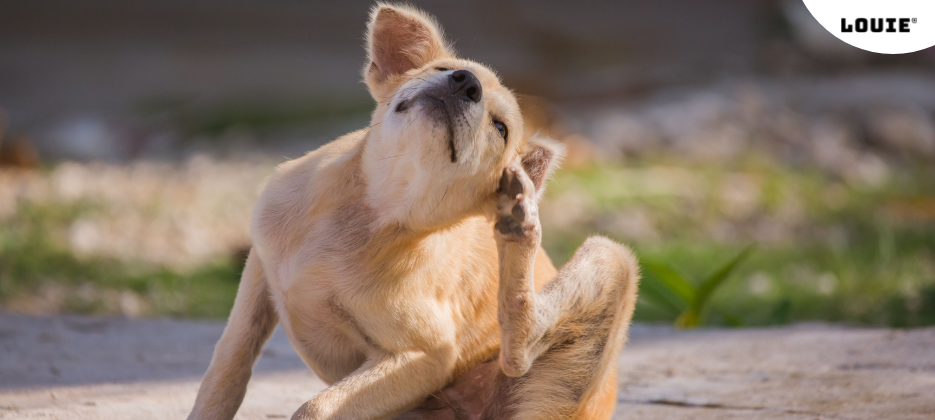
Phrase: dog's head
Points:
(444, 127)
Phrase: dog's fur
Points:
(403, 260)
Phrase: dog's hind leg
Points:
(251, 323)
(559, 346)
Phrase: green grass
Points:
(33, 255)
(869, 288)
(843, 252)
(825, 249)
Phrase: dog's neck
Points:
(406, 194)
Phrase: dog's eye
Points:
(501, 127)
(442, 68)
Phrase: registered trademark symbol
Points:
(914, 20)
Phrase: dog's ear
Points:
(540, 156)
(399, 39)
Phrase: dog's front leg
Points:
(518, 234)
(251, 322)
(564, 339)
(385, 385)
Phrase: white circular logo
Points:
(880, 26)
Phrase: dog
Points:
(404, 261)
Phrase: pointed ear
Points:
(399, 39)
(540, 157)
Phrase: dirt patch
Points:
(103, 368)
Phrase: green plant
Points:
(671, 289)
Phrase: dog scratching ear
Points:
(540, 157)
(399, 39)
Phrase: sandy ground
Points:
(71, 367)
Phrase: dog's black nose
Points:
(465, 85)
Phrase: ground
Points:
(105, 368)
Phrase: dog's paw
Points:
(517, 210)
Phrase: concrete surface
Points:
(71, 367)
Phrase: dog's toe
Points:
(516, 203)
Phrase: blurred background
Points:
(764, 171)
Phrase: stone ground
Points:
(71, 367)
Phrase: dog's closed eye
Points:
(442, 68)
(402, 106)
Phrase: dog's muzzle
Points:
(448, 101)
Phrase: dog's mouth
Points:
(448, 112)
(449, 125)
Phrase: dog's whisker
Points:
(439, 201)
(390, 157)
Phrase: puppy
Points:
(403, 260)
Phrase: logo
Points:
(880, 26)
(876, 25)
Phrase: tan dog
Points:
(402, 258)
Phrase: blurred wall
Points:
(72, 73)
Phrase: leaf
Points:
(688, 319)
(781, 312)
(672, 280)
(708, 286)
(659, 294)
(733, 321)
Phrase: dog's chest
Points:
(337, 327)
(339, 304)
